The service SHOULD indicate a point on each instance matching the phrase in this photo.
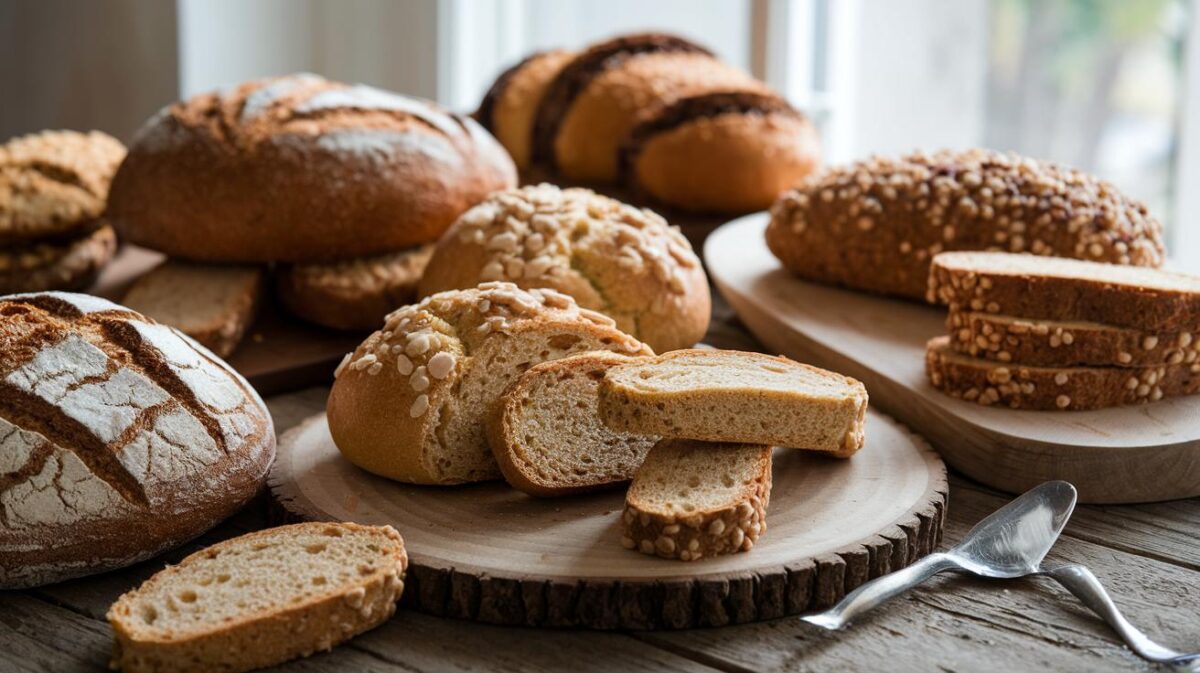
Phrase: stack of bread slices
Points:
(1033, 332)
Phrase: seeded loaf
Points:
(875, 225)
(212, 304)
(301, 169)
(734, 396)
(624, 262)
(1053, 388)
(547, 435)
(260, 599)
(691, 500)
(353, 294)
(1038, 288)
(411, 402)
(57, 264)
(119, 438)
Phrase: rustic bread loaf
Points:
(353, 294)
(260, 599)
(1052, 388)
(546, 432)
(119, 438)
(510, 105)
(212, 304)
(57, 264)
(733, 396)
(625, 262)
(690, 500)
(301, 169)
(410, 403)
(876, 224)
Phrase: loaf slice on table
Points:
(547, 435)
(213, 304)
(691, 499)
(261, 599)
(733, 396)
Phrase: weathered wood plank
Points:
(37, 636)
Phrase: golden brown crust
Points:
(71, 264)
(510, 106)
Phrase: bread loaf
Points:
(875, 225)
(410, 403)
(612, 258)
(510, 106)
(52, 264)
(301, 169)
(119, 438)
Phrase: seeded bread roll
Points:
(510, 106)
(353, 294)
(624, 262)
(54, 264)
(300, 169)
(119, 438)
(410, 403)
(875, 225)
(1054, 388)
(691, 500)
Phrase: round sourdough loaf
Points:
(119, 438)
(301, 169)
(624, 262)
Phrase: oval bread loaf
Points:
(119, 438)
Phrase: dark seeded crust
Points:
(60, 265)
(483, 114)
(1053, 388)
(575, 77)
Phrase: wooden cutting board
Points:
(491, 553)
(1129, 454)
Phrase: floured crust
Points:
(70, 264)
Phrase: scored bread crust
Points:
(1053, 388)
(510, 106)
(301, 169)
(875, 225)
(732, 528)
(625, 262)
(258, 640)
(70, 264)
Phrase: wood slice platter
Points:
(1129, 454)
(490, 553)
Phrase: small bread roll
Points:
(510, 106)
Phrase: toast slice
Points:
(260, 599)
(735, 396)
(1052, 288)
(1053, 388)
(692, 499)
(213, 304)
(547, 435)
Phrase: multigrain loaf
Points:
(1053, 388)
(301, 169)
(875, 225)
(411, 402)
(734, 396)
(57, 264)
(624, 262)
(119, 438)
(213, 304)
(353, 294)
(260, 599)
(1033, 287)
(546, 432)
(691, 500)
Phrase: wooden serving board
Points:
(494, 554)
(1129, 454)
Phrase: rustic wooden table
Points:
(1147, 555)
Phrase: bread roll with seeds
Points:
(353, 294)
(1053, 388)
(53, 264)
(260, 599)
(875, 225)
(624, 262)
(301, 169)
(411, 402)
(510, 105)
(691, 500)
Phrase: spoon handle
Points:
(877, 591)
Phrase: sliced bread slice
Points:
(1053, 288)
(1054, 343)
(260, 599)
(735, 396)
(547, 435)
(211, 303)
(693, 499)
(1053, 388)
